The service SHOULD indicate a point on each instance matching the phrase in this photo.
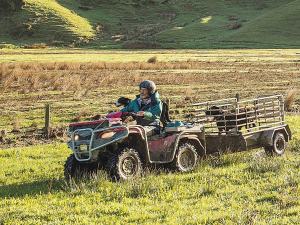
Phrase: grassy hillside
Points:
(277, 27)
(154, 24)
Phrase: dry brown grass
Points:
(16, 125)
(68, 76)
(290, 99)
(82, 113)
(188, 93)
(36, 46)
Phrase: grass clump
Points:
(35, 46)
(289, 99)
(152, 59)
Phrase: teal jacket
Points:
(152, 109)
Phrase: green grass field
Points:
(241, 188)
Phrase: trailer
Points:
(233, 125)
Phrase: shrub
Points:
(11, 5)
(232, 17)
(35, 46)
(234, 26)
(21, 31)
(57, 43)
(152, 59)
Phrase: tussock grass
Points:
(77, 76)
(16, 125)
(36, 46)
(83, 112)
(188, 93)
(152, 59)
(289, 99)
(74, 76)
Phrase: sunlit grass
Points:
(206, 19)
(71, 21)
(235, 188)
(79, 55)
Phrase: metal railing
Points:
(92, 141)
(230, 116)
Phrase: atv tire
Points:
(279, 145)
(125, 165)
(72, 167)
(185, 158)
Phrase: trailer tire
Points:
(125, 165)
(185, 158)
(279, 145)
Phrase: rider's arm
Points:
(154, 113)
(128, 108)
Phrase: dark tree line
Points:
(11, 5)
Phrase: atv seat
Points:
(164, 118)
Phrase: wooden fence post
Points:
(47, 119)
(237, 97)
(237, 103)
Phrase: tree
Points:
(11, 5)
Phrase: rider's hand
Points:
(140, 113)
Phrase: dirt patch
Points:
(33, 137)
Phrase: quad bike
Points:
(124, 149)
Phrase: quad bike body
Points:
(123, 149)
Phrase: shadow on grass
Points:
(30, 189)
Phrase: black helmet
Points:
(150, 85)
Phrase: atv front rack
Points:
(86, 141)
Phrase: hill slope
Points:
(278, 27)
(155, 23)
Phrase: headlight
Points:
(76, 137)
(108, 135)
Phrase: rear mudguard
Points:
(163, 150)
(266, 137)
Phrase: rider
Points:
(147, 106)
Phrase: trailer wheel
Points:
(185, 158)
(125, 165)
(279, 145)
